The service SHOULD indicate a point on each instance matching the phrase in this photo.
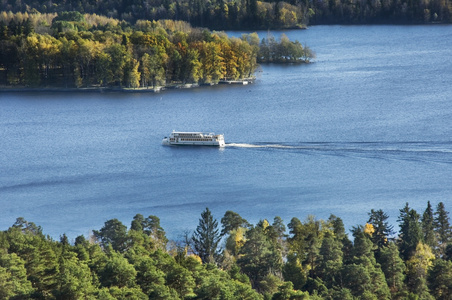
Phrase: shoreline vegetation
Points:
(83, 51)
(301, 260)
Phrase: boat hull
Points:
(213, 144)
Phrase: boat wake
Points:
(440, 152)
(260, 146)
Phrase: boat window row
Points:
(189, 135)
(195, 140)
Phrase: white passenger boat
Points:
(194, 139)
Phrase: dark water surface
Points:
(368, 125)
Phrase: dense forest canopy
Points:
(251, 14)
(310, 259)
(70, 49)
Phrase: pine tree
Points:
(293, 272)
(151, 226)
(206, 238)
(258, 257)
(393, 267)
(137, 223)
(117, 271)
(376, 286)
(232, 221)
(440, 279)
(331, 261)
(114, 233)
(13, 277)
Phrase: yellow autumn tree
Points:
(236, 240)
(134, 75)
(369, 229)
(417, 268)
(230, 59)
(213, 67)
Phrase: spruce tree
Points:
(427, 222)
(442, 227)
(378, 219)
(206, 237)
(410, 231)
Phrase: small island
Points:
(70, 50)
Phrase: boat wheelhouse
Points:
(194, 139)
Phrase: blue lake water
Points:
(367, 125)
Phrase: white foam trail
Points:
(240, 145)
(355, 147)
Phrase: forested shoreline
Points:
(251, 14)
(310, 259)
(74, 50)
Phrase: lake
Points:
(366, 126)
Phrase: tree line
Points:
(310, 259)
(252, 14)
(69, 49)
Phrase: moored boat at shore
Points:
(194, 139)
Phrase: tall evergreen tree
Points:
(276, 233)
(393, 267)
(331, 261)
(339, 232)
(292, 271)
(440, 279)
(383, 229)
(313, 242)
(27, 227)
(151, 227)
(337, 225)
(364, 258)
(113, 233)
(410, 231)
(232, 221)
(427, 222)
(363, 246)
(13, 277)
(442, 228)
(206, 237)
(137, 223)
(258, 257)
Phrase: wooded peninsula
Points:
(70, 50)
(158, 43)
(310, 259)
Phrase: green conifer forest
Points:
(233, 259)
